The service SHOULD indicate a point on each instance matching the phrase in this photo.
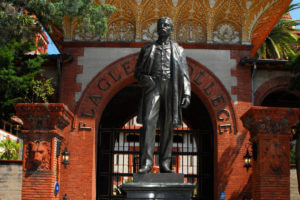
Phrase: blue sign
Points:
(222, 195)
(56, 188)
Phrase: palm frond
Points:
(292, 7)
(276, 48)
(282, 39)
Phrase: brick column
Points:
(44, 126)
(270, 132)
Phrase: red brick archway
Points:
(119, 74)
(106, 84)
(270, 86)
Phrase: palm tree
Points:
(281, 41)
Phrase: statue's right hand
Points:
(147, 82)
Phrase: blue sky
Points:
(53, 50)
(51, 47)
(296, 13)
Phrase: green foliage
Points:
(293, 156)
(20, 21)
(42, 89)
(17, 74)
(15, 26)
(294, 65)
(15, 23)
(9, 149)
(90, 17)
(281, 41)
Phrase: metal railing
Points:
(119, 158)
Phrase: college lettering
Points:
(191, 69)
(223, 115)
(225, 128)
(218, 100)
(207, 89)
(104, 84)
(91, 115)
(94, 98)
(196, 79)
(114, 77)
(126, 66)
(200, 78)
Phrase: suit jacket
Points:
(179, 76)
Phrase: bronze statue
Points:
(162, 72)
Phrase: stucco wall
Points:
(10, 180)
(294, 185)
(262, 76)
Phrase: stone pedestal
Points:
(270, 130)
(158, 186)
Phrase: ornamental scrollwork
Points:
(226, 34)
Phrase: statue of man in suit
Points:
(162, 72)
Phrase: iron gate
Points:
(118, 159)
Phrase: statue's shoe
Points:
(145, 169)
(165, 169)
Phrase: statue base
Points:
(158, 186)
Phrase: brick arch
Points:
(270, 86)
(213, 94)
(119, 74)
(107, 83)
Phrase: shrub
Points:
(10, 149)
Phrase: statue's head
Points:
(165, 26)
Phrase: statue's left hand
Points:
(186, 100)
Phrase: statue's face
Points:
(164, 27)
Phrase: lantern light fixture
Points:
(293, 130)
(65, 157)
(247, 160)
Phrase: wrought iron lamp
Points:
(65, 157)
(247, 160)
(293, 130)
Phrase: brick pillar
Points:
(270, 132)
(44, 125)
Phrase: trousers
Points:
(158, 106)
